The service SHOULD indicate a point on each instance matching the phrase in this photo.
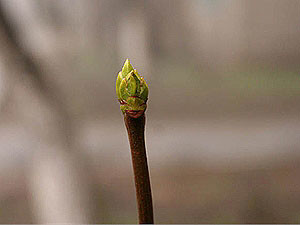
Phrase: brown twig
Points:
(136, 129)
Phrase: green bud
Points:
(132, 91)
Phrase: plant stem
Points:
(136, 129)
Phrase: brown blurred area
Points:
(223, 125)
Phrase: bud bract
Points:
(132, 91)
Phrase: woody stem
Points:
(136, 129)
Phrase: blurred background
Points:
(223, 125)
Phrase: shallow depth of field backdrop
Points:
(223, 122)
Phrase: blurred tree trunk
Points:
(58, 180)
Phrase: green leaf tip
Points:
(127, 68)
(132, 91)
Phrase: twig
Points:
(132, 92)
(135, 128)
